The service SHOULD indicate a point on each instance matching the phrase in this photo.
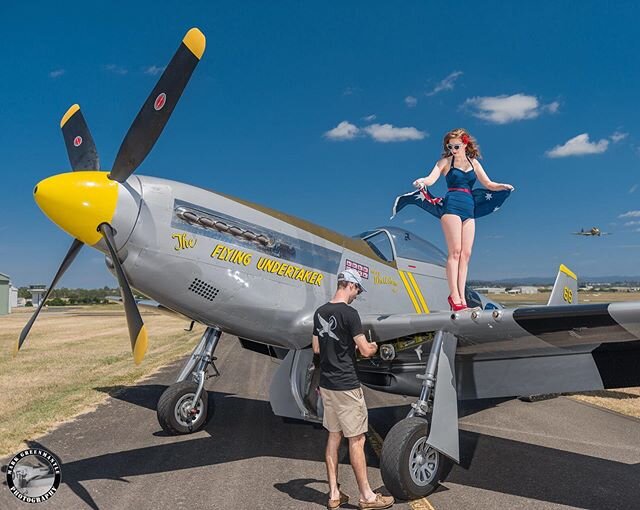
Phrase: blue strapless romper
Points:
(459, 200)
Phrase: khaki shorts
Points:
(345, 411)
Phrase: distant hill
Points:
(544, 280)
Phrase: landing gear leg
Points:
(183, 407)
(410, 465)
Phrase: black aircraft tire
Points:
(394, 460)
(177, 396)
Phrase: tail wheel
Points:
(175, 410)
(411, 468)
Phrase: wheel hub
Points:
(423, 462)
(184, 413)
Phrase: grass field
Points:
(71, 358)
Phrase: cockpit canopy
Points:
(388, 243)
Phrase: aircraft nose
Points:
(78, 202)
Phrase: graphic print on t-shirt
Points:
(327, 327)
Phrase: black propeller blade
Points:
(140, 138)
(81, 148)
(68, 259)
(137, 329)
(157, 109)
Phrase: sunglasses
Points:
(452, 147)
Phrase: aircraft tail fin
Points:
(565, 289)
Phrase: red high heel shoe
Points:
(455, 307)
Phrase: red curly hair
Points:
(473, 149)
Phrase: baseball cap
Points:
(351, 275)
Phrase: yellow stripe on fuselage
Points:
(425, 308)
(409, 291)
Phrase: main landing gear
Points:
(417, 452)
(183, 408)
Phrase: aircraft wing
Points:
(561, 325)
(511, 352)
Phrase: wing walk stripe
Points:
(414, 283)
(410, 292)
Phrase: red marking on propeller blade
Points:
(160, 102)
(77, 141)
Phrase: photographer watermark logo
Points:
(34, 475)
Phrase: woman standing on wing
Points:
(461, 205)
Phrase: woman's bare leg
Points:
(452, 228)
(468, 235)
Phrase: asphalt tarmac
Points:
(551, 454)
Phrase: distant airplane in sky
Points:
(595, 231)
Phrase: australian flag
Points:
(485, 201)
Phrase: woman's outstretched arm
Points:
(425, 182)
(486, 182)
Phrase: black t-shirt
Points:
(336, 325)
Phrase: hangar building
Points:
(5, 290)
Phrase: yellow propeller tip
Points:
(195, 41)
(73, 109)
(140, 347)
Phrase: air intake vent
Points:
(203, 289)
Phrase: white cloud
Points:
(633, 188)
(349, 91)
(387, 133)
(551, 107)
(446, 84)
(410, 101)
(410, 220)
(578, 146)
(618, 136)
(343, 131)
(369, 118)
(504, 109)
(154, 70)
(379, 132)
(630, 214)
(631, 223)
(56, 73)
(115, 69)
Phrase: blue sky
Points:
(261, 117)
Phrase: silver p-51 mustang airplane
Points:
(259, 274)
